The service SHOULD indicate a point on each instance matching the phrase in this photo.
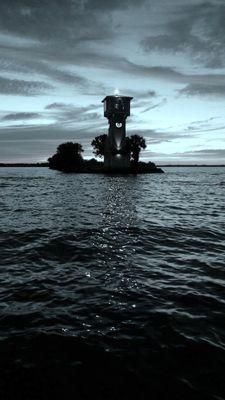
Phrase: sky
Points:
(59, 59)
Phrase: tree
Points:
(98, 144)
(67, 156)
(135, 144)
(70, 151)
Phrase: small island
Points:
(120, 153)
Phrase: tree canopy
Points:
(98, 144)
(135, 144)
(68, 155)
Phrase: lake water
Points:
(112, 287)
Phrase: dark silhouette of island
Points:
(120, 153)
(68, 158)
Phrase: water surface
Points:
(118, 281)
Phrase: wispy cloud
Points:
(23, 87)
(204, 89)
(20, 116)
(153, 106)
(196, 29)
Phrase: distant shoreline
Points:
(18, 165)
(23, 165)
(192, 165)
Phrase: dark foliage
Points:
(98, 144)
(135, 144)
(67, 156)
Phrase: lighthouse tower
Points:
(116, 109)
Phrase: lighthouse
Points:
(116, 110)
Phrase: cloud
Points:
(51, 63)
(57, 119)
(22, 87)
(59, 74)
(56, 106)
(122, 64)
(70, 114)
(196, 29)
(149, 93)
(158, 136)
(160, 104)
(58, 67)
(206, 125)
(55, 20)
(51, 132)
(112, 5)
(65, 107)
(20, 116)
(204, 154)
(200, 89)
(209, 152)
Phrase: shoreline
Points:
(21, 165)
(46, 165)
(86, 168)
(192, 165)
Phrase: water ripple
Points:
(128, 269)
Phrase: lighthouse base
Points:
(117, 162)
